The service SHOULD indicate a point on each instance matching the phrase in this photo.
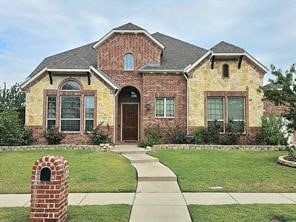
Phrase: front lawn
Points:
(241, 213)
(234, 171)
(90, 171)
(105, 213)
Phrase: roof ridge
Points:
(180, 40)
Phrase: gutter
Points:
(187, 103)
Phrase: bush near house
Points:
(153, 136)
(99, 135)
(53, 136)
(12, 132)
(272, 131)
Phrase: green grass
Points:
(90, 171)
(241, 213)
(235, 171)
(105, 213)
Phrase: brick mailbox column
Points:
(49, 195)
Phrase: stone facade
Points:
(49, 196)
(36, 105)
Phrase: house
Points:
(131, 79)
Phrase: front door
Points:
(130, 117)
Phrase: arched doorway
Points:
(129, 106)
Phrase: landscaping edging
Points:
(217, 147)
(102, 147)
(285, 162)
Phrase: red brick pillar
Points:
(49, 195)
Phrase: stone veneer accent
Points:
(217, 147)
(49, 198)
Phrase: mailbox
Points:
(49, 195)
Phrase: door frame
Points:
(121, 121)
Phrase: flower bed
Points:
(285, 160)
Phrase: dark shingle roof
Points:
(224, 47)
(79, 58)
(177, 54)
(128, 26)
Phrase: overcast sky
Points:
(33, 30)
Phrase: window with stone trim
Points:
(89, 107)
(51, 112)
(165, 107)
(225, 71)
(70, 113)
(226, 111)
(128, 62)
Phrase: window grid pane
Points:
(70, 113)
(51, 111)
(160, 107)
(71, 85)
(215, 109)
(89, 104)
(236, 108)
(170, 107)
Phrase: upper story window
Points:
(225, 71)
(128, 62)
(71, 85)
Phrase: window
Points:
(71, 85)
(235, 112)
(51, 112)
(216, 111)
(70, 113)
(89, 105)
(225, 71)
(165, 107)
(128, 62)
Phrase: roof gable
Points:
(129, 26)
(225, 47)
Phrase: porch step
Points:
(128, 149)
(140, 158)
(154, 171)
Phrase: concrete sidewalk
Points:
(159, 199)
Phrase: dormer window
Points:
(225, 71)
(128, 62)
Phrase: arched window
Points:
(128, 62)
(71, 85)
(225, 71)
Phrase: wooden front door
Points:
(130, 117)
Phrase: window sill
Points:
(164, 117)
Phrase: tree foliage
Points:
(282, 90)
(13, 98)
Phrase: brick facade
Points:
(49, 196)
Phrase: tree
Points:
(13, 98)
(282, 90)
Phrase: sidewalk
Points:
(23, 200)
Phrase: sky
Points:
(33, 30)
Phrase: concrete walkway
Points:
(23, 200)
(158, 197)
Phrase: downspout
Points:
(187, 101)
(114, 116)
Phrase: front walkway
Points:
(158, 197)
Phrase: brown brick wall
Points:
(271, 108)
(110, 53)
(49, 199)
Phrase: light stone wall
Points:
(34, 99)
(204, 79)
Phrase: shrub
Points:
(233, 131)
(11, 129)
(272, 131)
(212, 133)
(28, 138)
(174, 132)
(199, 135)
(53, 136)
(153, 136)
(291, 152)
(99, 135)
